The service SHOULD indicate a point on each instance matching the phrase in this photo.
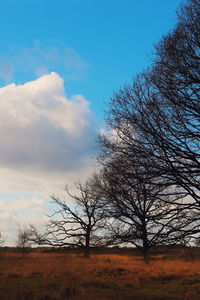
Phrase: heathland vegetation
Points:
(116, 275)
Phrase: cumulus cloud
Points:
(41, 128)
(47, 141)
(43, 132)
(17, 212)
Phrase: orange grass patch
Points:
(52, 276)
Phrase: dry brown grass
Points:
(48, 276)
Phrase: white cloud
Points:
(42, 129)
(47, 140)
(20, 212)
(20, 206)
(42, 100)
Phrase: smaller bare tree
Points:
(78, 224)
(2, 239)
(23, 241)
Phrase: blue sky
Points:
(60, 61)
(114, 38)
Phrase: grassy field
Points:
(48, 276)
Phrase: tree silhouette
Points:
(141, 212)
(23, 241)
(2, 239)
(77, 220)
(154, 130)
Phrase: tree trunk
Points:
(145, 248)
(146, 256)
(87, 245)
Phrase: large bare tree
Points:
(151, 153)
(141, 212)
(155, 120)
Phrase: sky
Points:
(60, 62)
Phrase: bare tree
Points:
(78, 224)
(142, 213)
(23, 241)
(176, 78)
(37, 236)
(2, 239)
(155, 121)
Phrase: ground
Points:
(52, 276)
